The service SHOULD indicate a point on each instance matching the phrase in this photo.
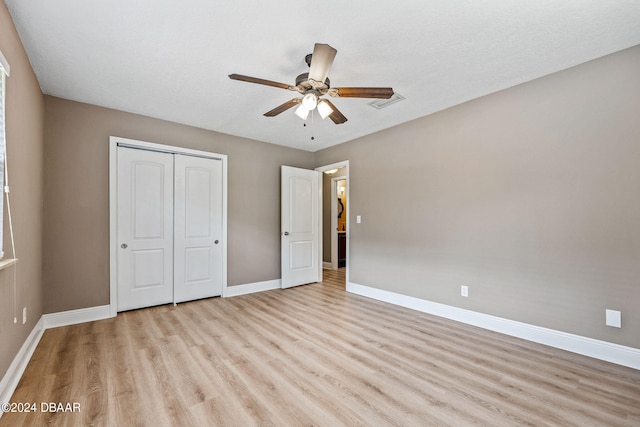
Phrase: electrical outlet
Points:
(613, 318)
(358, 219)
(464, 291)
(24, 315)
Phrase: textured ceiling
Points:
(170, 59)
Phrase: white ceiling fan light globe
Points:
(310, 101)
(324, 109)
(302, 112)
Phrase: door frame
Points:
(114, 142)
(334, 236)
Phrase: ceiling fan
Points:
(315, 84)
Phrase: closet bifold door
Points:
(145, 228)
(197, 228)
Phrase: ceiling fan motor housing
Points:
(303, 84)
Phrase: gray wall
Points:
(530, 196)
(76, 202)
(24, 123)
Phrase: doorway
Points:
(336, 179)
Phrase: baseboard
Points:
(72, 317)
(327, 265)
(603, 350)
(249, 288)
(47, 321)
(16, 369)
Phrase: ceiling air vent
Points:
(382, 103)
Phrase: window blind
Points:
(3, 73)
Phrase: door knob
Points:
(286, 233)
(124, 246)
(216, 242)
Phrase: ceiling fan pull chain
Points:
(312, 124)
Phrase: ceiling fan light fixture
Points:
(324, 109)
(302, 111)
(310, 101)
(312, 86)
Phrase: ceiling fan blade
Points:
(362, 92)
(336, 115)
(283, 107)
(260, 81)
(321, 61)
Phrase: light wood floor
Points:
(313, 355)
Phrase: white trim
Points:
(333, 240)
(19, 364)
(249, 288)
(225, 198)
(73, 317)
(603, 350)
(320, 231)
(327, 265)
(5, 64)
(8, 262)
(152, 146)
(113, 226)
(114, 141)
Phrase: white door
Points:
(145, 228)
(198, 228)
(301, 191)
